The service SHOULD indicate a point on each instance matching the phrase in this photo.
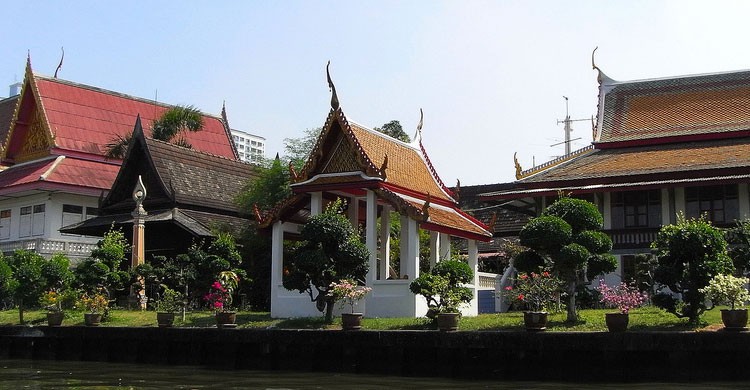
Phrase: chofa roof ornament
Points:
(418, 134)
(332, 88)
(601, 78)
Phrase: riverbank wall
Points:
(559, 356)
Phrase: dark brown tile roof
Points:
(200, 179)
(674, 107)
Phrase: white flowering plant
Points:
(346, 291)
(727, 289)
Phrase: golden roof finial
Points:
(518, 166)
(426, 208)
(384, 166)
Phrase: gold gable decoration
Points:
(343, 159)
(37, 142)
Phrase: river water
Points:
(28, 374)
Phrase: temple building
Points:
(660, 147)
(376, 175)
(55, 172)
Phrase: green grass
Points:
(643, 319)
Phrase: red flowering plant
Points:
(622, 296)
(535, 290)
(219, 296)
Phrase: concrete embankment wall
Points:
(579, 357)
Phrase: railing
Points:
(44, 246)
(632, 238)
(487, 280)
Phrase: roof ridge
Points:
(115, 93)
(410, 145)
(678, 77)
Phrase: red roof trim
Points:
(434, 172)
(418, 195)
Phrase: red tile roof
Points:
(85, 119)
(78, 175)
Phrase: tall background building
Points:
(251, 148)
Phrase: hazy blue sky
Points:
(490, 75)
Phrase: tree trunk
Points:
(572, 317)
(329, 309)
(20, 311)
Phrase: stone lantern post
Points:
(139, 247)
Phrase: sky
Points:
(489, 75)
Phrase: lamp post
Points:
(139, 216)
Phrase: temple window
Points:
(636, 209)
(32, 221)
(720, 204)
(5, 222)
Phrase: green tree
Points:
(31, 275)
(331, 251)
(297, 150)
(394, 129)
(268, 189)
(689, 254)
(171, 126)
(567, 239)
(103, 269)
(442, 287)
(738, 238)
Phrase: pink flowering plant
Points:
(622, 296)
(346, 291)
(219, 296)
(535, 290)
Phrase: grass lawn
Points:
(648, 318)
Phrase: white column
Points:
(371, 235)
(434, 248)
(607, 208)
(679, 200)
(316, 203)
(277, 263)
(742, 194)
(354, 212)
(474, 264)
(665, 217)
(404, 246)
(385, 242)
(445, 246)
(410, 262)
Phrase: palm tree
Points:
(171, 126)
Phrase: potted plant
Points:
(52, 301)
(535, 291)
(169, 303)
(96, 305)
(443, 289)
(729, 290)
(346, 291)
(219, 298)
(623, 297)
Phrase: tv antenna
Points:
(568, 129)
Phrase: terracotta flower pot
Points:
(55, 318)
(535, 321)
(735, 320)
(448, 322)
(92, 319)
(226, 319)
(351, 321)
(165, 320)
(617, 322)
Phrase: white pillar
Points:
(434, 248)
(474, 264)
(445, 246)
(371, 235)
(410, 262)
(354, 212)
(316, 203)
(277, 263)
(385, 242)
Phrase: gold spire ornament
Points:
(332, 89)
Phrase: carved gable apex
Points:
(342, 158)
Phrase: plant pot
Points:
(226, 319)
(165, 320)
(55, 318)
(735, 320)
(351, 321)
(617, 322)
(448, 322)
(92, 319)
(535, 321)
